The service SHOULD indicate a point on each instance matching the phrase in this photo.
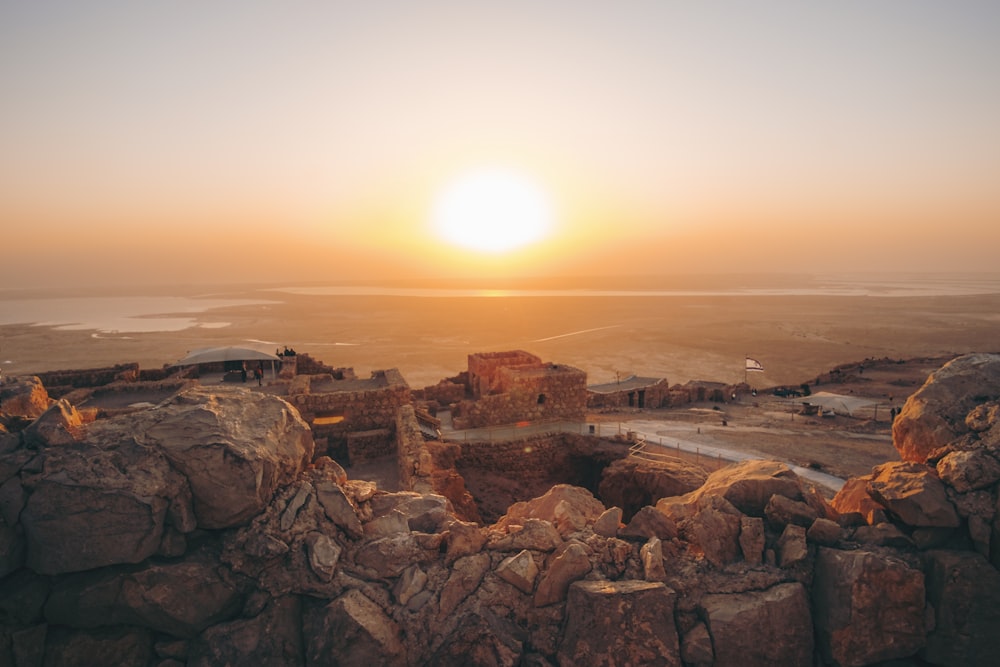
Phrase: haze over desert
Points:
(698, 328)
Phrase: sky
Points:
(188, 142)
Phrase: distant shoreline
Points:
(695, 335)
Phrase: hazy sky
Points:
(191, 141)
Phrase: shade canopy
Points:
(210, 355)
(839, 402)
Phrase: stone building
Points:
(510, 387)
(631, 392)
(353, 419)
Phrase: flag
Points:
(754, 365)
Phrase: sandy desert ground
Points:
(677, 337)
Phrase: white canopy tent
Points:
(210, 355)
(837, 402)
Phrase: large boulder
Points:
(569, 508)
(761, 628)
(352, 630)
(272, 638)
(120, 490)
(89, 506)
(935, 414)
(868, 607)
(964, 590)
(177, 598)
(914, 493)
(749, 485)
(236, 448)
(23, 396)
(625, 623)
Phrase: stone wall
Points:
(485, 369)
(446, 392)
(543, 393)
(306, 365)
(652, 396)
(373, 404)
(59, 383)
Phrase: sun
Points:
(492, 210)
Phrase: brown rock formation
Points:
(115, 548)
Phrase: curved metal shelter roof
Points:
(210, 355)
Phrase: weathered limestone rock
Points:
(824, 531)
(391, 523)
(568, 508)
(752, 539)
(749, 485)
(868, 607)
(181, 598)
(651, 554)
(423, 512)
(534, 534)
(86, 509)
(352, 630)
(964, 590)
(935, 414)
(696, 647)
(625, 623)
(714, 530)
(338, 508)
(482, 639)
(883, 535)
(761, 628)
(649, 522)
(567, 564)
(913, 492)
(608, 524)
(23, 396)
(466, 574)
(463, 539)
(969, 470)
(254, 441)
(387, 557)
(853, 497)
(324, 554)
(633, 483)
(273, 638)
(520, 571)
(792, 546)
(60, 424)
(781, 511)
(412, 582)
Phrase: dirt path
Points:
(767, 426)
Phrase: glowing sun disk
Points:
(492, 210)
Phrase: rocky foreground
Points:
(204, 532)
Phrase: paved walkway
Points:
(684, 438)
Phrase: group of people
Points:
(288, 352)
(258, 373)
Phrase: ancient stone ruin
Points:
(207, 530)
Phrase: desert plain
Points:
(682, 337)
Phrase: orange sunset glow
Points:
(171, 144)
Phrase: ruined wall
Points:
(363, 409)
(529, 394)
(59, 383)
(444, 393)
(653, 396)
(306, 365)
(485, 369)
